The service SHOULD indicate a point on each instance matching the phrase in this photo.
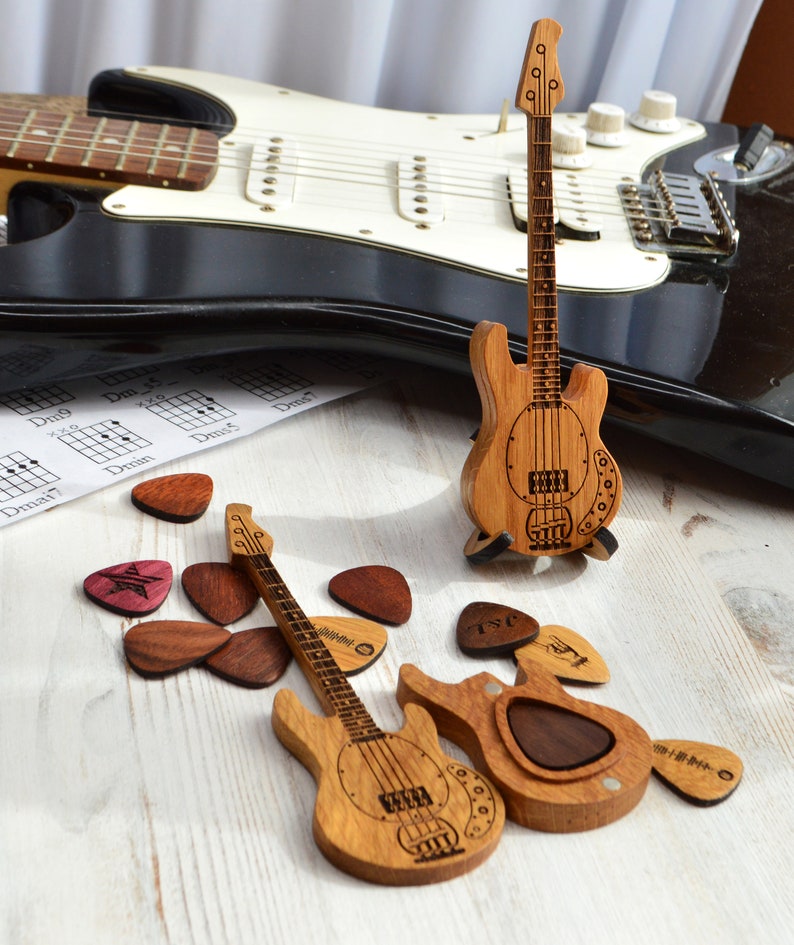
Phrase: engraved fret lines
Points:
(107, 149)
(543, 350)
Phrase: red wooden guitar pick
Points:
(253, 658)
(159, 647)
(133, 589)
(374, 591)
(486, 629)
(181, 498)
(219, 591)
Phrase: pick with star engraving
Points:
(159, 647)
(701, 773)
(180, 498)
(375, 591)
(218, 591)
(566, 654)
(132, 589)
(486, 629)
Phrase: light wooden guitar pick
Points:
(252, 658)
(219, 591)
(374, 591)
(566, 654)
(701, 773)
(354, 643)
(180, 498)
(158, 647)
(486, 629)
(132, 589)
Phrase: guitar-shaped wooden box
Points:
(560, 763)
(391, 807)
(538, 478)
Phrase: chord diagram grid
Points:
(112, 378)
(191, 410)
(20, 474)
(32, 401)
(269, 383)
(26, 359)
(103, 441)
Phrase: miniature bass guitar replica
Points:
(191, 214)
(561, 764)
(538, 478)
(390, 808)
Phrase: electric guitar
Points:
(313, 223)
(390, 807)
(538, 476)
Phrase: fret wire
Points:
(126, 146)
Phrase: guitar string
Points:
(387, 770)
(597, 184)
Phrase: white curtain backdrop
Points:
(424, 55)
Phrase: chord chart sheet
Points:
(66, 440)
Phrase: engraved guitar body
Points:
(432, 821)
(538, 479)
(391, 807)
(538, 469)
(561, 764)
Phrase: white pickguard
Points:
(340, 168)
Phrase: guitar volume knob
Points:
(656, 113)
(605, 125)
(569, 147)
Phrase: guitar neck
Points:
(107, 149)
(543, 346)
(248, 545)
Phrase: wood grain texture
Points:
(703, 774)
(597, 773)
(253, 658)
(132, 589)
(486, 629)
(159, 647)
(180, 498)
(219, 591)
(373, 590)
(566, 654)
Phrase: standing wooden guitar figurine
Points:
(391, 807)
(538, 478)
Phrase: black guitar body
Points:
(704, 361)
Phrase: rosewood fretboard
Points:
(107, 149)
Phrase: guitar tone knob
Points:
(569, 147)
(656, 113)
(604, 125)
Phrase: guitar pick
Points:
(354, 643)
(219, 591)
(374, 591)
(701, 773)
(159, 647)
(133, 589)
(486, 629)
(180, 498)
(252, 658)
(566, 654)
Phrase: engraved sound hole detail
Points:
(555, 738)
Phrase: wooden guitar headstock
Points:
(540, 88)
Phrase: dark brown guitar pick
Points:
(219, 591)
(374, 591)
(701, 773)
(252, 658)
(159, 647)
(180, 498)
(132, 589)
(486, 629)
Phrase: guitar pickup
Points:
(679, 215)
(573, 204)
(419, 191)
(272, 171)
